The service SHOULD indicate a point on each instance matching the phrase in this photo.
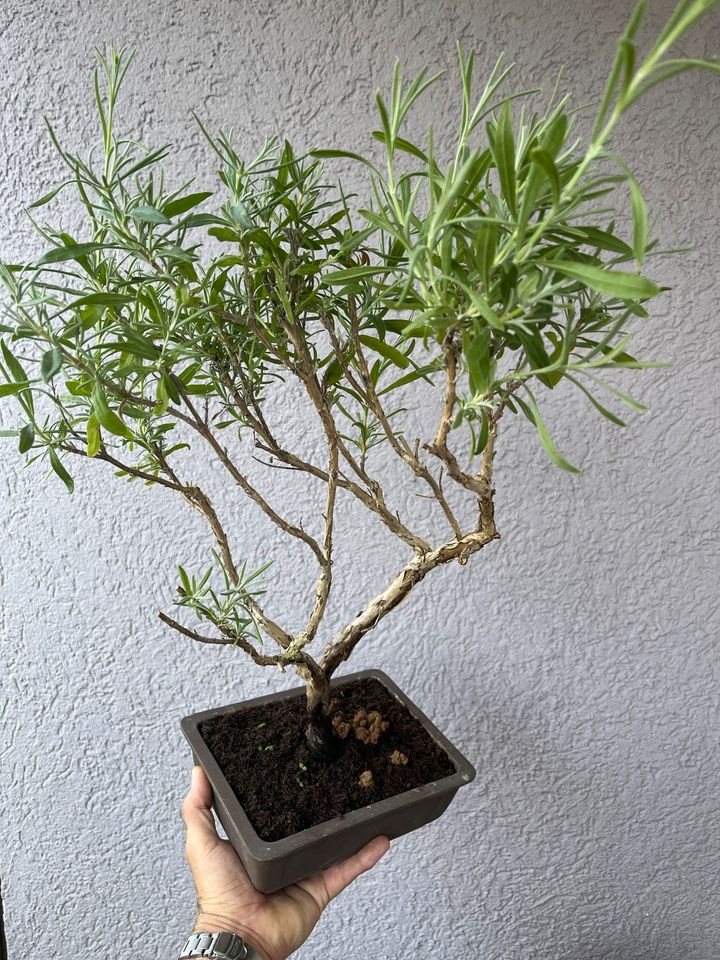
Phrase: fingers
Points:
(338, 877)
(197, 812)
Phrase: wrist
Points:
(214, 923)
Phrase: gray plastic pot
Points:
(275, 865)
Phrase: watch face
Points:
(230, 946)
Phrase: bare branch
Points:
(322, 591)
(344, 642)
(304, 665)
(375, 501)
(193, 634)
(398, 444)
(450, 350)
(367, 391)
(305, 372)
(199, 425)
(104, 455)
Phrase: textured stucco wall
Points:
(576, 662)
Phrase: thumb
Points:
(336, 878)
(197, 813)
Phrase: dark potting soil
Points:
(284, 788)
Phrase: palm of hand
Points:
(274, 924)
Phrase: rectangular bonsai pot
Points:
(273, 865)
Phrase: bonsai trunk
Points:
(318, 731)
(317, 685)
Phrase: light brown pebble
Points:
(366, 779)
(340, 726)
(397, 758)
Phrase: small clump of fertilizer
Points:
(368, 726)
(366, 779)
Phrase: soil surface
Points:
(284, 788)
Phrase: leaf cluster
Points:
(488, 270)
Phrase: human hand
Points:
(275, 924)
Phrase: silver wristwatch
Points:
(217, 946)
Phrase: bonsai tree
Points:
(485, 272)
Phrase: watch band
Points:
(217, 946)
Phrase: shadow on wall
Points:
(3, 944)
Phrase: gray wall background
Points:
(576, 662)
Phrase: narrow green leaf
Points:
(240, 215)
(640, 222)
(147, 214)
(51, 363)
(78, 388)
(102, 299)
(173, 252)
(504, 154)
(170, 386)
(385, 350)
(224, 234)
(201, 220)
(608, 414)
(182, 204)
(634, 23)
(185, 580)
(620, 394)
(554, 137)
(530, 190)
(153, 157)
(602, 239)
(472, 169)
(485, 247)
(135, 345)
(14, 365)
(74, 251)
(481, 305)
(342, 155)
(419, 373)
(10, 389)
(639, 213)
(627, 57)
(671, 68)
(401, 144)
(612, 283)
(47, 197)
(92, 432)
(681, 9)
(534, 347)
(106, 417)
(352, 273)
(480, 441)
(480, 365)
(60, 470)
(161, 397)
(533, 413)
(27, 438)
(542, 158)
(384, 119)
(616, 70)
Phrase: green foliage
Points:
(225, 607)
(502, 253)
